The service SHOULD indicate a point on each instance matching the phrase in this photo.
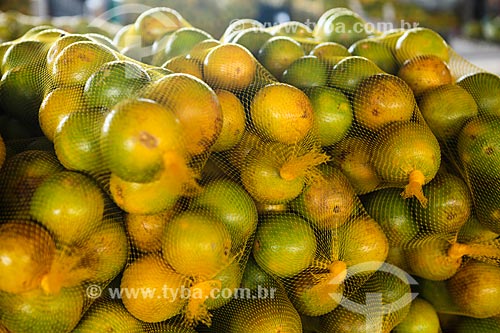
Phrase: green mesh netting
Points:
(275, 179)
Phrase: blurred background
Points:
(472, 27)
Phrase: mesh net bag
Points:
(277, 179)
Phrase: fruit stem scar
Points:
(414, 187)
(485, 250)
(148, 140)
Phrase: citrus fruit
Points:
(344, 27)
(254, 276)
(352, 156)
(150, 197)
(196, 244)
(380, 314)
(232, 205)
(306, 72)
(421, 318)
(481, 325)
(278, 52)
(329, 201)
(316, 292)
(408, 155)
(108, 316)
(348, 72)
(15, 55)
(233, 121)
(36, 311)
(113, 82)
(27, 251)
(278, 167)
(330, 52)
(478, 146)
(252, 39)
(145, 230)
(48, 36)
(157, 73)
(293, 29)
(390, 37)
(333, 114)
(105, 251)
(127, 35)
(135, 137)
(199, 51)
(229, 66)
(483, 87)
(181, 64)
(430, 259)
(281, 112)
(227, 281)
(155, 22)
(20, 176)
(447, 125)
(78, 61)
(58, 104)
(22, 90)
(284, 244)
(196, 106)
(266, 314)
(449, 205)
(155, 291)
(361, 242)
(68, 204)
(377, 52)
(393, 214)
(182, 40)
(425, 72)
(420, 41)
(475, 288)
(4, 46)
(381, 99)
(239, 25)
(474, 231)
(101, 39)
(76, 141)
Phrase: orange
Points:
(145, 230)
(69, 204)
(381, 99)
(126, 36)
(425, 72)
(233, 121)
(78, 61)
(155, 22)
(330, 52)
(229, 66)
(153, 292)
(58, 104)
(27, 251)
(147, 198)
(278, 52)
(237, 26)
(181, 64)
(200, 50)
(281, 112)
(196, 106)
(135, 137)
(60, 44)
(182, 40)
(421, 41)
(36, 311)
(284, 245)
(196, 244)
